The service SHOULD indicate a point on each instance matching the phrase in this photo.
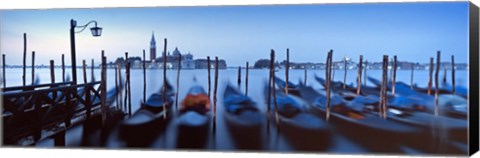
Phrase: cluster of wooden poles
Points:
(328, 75)
(384, 85)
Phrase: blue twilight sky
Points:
(413, 31)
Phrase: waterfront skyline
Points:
(412, 31)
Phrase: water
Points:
(257, 81)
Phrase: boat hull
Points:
(247, 135)
(304, 131)
(193, 129)
(142, 128)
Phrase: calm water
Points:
(257, 80)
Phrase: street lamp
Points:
(96, 32)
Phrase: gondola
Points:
(303, 130)
(451, 129)
(449, 105)
(154, 102)
(373, 132)
(194, 119)
(243, 119)
(149, 121)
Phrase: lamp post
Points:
(96, 32)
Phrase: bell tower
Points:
(153, 48)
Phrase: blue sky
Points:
(413, 31)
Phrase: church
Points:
(187, 61)
(154, 62)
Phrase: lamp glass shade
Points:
(96, 31)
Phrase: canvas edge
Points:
(474, 79)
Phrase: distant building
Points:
(135, 62)
(171, 60)
(203, 64)
(188, 62)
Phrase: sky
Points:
(412, 31)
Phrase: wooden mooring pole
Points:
(144, 78)
(359, 75)
(84, 71)
(93, 71)
(63, 68)
(33, 67)
(272, 65)
(453, 75)
(384, 85)
(4, 80)
(52, 72)
(246, 80)
(24, 58)
(119, 69)
(287, 66)
(215, 93)
(394, 75)
(269, 89)
(178, 80)
(239, 76)
(209, 80)
(125, 104)
(328, 76)
(269, 96)
(437, 69)
(127, 90)
(52, 77)
(104, 89)
(116, 87)
(164, 89)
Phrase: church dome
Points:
(176, 52)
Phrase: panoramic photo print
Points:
(371, 78)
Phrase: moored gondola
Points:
(449, 105)
(152, 118)
(407, 109)
(194, 119)
(437, 127)
(303, 130)
(141, 129)
(243, 119)
(155, 102)
(373, 132)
